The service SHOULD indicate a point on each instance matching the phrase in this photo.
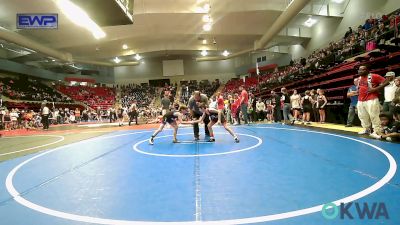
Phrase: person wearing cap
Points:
(390, 90)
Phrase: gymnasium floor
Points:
(276, 175)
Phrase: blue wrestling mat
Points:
(275, 175)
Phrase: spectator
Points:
(270, 111)
(368, 100)
(220, 101)
(295, 100)
(77, 115)
(236, 109)
(228, 105)
(260, 110)
(276, 104)
(396, 100)
(389, 91)
(348, 33)
(321, 103)
(244, 102)
(252, 108)
(314, 97)
(352, 93)
(390, 128)
(306, 103)
(287, 116)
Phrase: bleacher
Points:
(337, 79)
(29, 89)
(206, 87)
(250, 83)
(94, 97)
(143, 95)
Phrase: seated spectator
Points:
(390, 128)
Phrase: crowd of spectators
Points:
(29, 90)
(14, 118)
(94, 97)
(204, 86)
(374, 33)
(143, 95)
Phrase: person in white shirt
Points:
(45, 116)
(390, 91)
(295, 100)
(213, 103)
(260, 109)
(14, 119)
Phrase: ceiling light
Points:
(124, 46)
(338, 1)
(207, 27)
(80, 17)
(225, 53)
(204, 53)
(138, 57)
(73, 66)
(142, 62)
(199, 10)
(204, 41)
(207, 18)
(117, 60)
(207, 8)
(310, 22)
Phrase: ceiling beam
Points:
(49, 52)
(291, 11)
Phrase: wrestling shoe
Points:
(151, 141)
(376, 136)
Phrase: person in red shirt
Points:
(236, 109)
(220, 105)
(368, 105)
(220, 101)
(244, 101)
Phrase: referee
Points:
(194, 102)
(45, 116)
